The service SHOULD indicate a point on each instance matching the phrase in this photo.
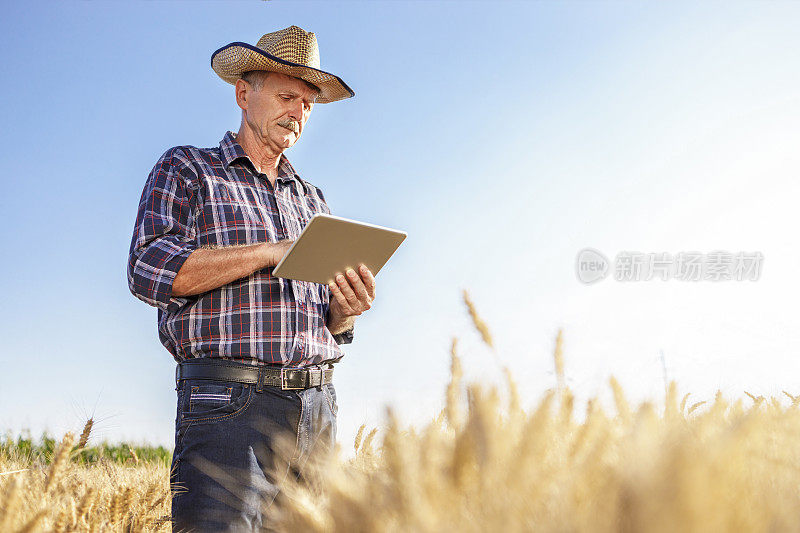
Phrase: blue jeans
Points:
(228, 458)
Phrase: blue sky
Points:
(503, 137)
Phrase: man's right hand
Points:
(206, 269)
(277, 250)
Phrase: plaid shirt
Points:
(213, 197)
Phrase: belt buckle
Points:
(321, 376)
(284, 385)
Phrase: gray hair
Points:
(256, 78)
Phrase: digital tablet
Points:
(330, 244)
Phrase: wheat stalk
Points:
(558, 359)
(14, 471)
(477, 321)
(452, 408)
(623, 408)
(115, 508)
(695, 406)
(9, 506)
(367, 446)
(85, 505)
(359, 435)
(59, 459)
(87, 429)
(795, 399)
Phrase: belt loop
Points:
(260, 379)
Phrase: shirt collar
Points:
(231, 151)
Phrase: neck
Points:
(263, 158)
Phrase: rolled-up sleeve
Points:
(164, 233)
(345, 337)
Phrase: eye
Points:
(286, 97)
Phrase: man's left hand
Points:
(352, 293)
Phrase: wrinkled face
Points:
(278, 110)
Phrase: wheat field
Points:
(484, 464)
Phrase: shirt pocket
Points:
(295, 222)
(231, 214)
(299, 210)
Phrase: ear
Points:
(242, 89)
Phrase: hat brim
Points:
(232, 60)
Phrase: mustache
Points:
(290, 125)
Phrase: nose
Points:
(296, 111)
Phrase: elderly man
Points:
(255, 353)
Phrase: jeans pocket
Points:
(330, 395)
(208, 400)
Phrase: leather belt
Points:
(286, 378)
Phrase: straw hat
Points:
(292, 51)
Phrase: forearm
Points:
(208, 268)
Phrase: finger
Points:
(369, 280)
(347, 290)
(340, 298)
(359, 288)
